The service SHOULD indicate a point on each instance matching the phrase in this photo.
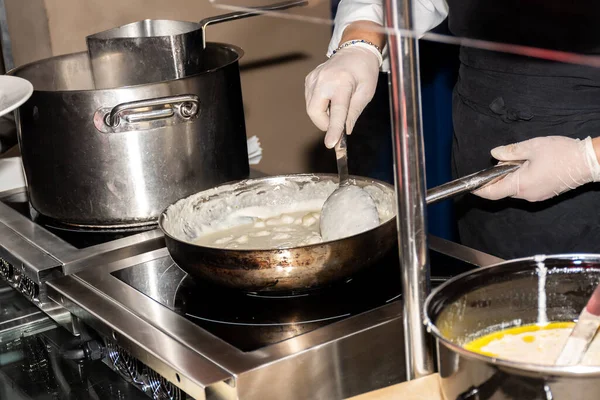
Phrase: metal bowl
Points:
(513, 293)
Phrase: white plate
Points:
(13, 92)
(11, 173)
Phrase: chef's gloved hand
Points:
(553, 165)
(338, 90)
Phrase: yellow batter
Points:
(533, 344)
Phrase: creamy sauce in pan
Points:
(250, 215)
(286, 230)
(533, 344)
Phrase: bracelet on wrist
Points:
(354, 42)
(364, 44)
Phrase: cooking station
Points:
(156, 324)
(104, 311)
(32, 255)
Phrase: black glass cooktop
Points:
(250, 321)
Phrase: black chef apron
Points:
(501, 99)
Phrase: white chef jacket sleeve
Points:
(427, 15)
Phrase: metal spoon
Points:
(584, 332)
(349, 210)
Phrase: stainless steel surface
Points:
(18, 316)
(463, 253)
(26, 267)
(341, 156)
(123, 117)
(409, 168)
(340, 360)
(24, 323)
(27, 239)
(471, 182)
(81, 176)
(30, 255)
(151, 51)
(321, 356)
(26, 260)
(514, 293)
(144, 52)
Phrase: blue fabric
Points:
(439, 68)
(334, 7)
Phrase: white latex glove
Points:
(338, 91)
(554, 165)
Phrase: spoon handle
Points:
(341, 155)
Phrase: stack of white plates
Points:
(11, 173)
(13, 93)
(254, 150)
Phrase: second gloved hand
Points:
(338, 91)
(553, 165)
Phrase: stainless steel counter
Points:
(131, 305)
(353, 355)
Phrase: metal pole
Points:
(409, 171)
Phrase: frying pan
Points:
(301, 268)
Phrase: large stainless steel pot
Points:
(296, 268)
(118, 157)
(514, 293)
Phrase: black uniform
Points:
(501, 98)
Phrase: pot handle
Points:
(472, 182)
(186, 106)
(249, 13)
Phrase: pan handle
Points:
(249, 13)
(471, 182)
